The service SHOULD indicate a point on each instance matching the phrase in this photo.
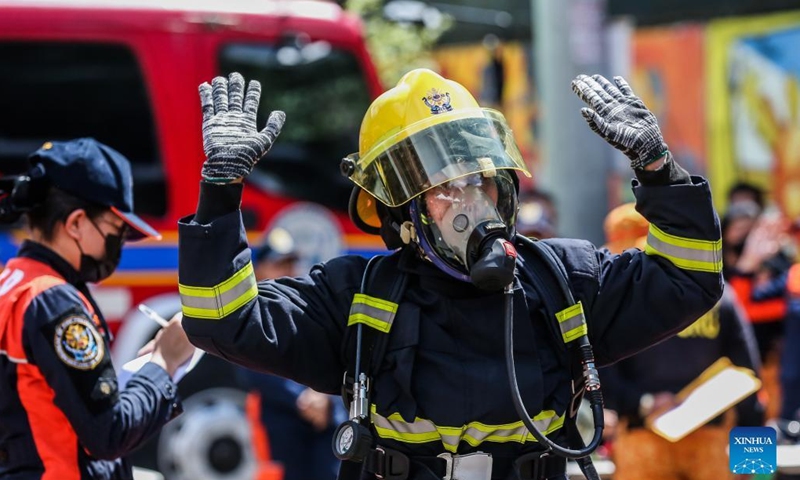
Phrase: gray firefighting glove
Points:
(231, 141)
(621, 118)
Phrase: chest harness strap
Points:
(369, 325)
(372, 313)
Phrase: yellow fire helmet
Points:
(424, 132)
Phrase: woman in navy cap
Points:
(63, 415)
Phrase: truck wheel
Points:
(210, 440)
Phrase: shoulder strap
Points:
(550, 281)
(382, 289)
(556, 295)
(565, 315)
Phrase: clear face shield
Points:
(453, 170)
(426, 154)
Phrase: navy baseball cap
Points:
(96, 173)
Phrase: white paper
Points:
(789, 459)
(710, 399)
(127, 370)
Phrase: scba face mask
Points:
(465, 227)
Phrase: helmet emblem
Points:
(437, 101)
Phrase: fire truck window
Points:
(324, 94)
(60, 91)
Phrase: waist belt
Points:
(388, 464)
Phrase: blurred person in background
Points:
(761, 254)
(736, 225)
(646, 383)
(537, 216)
(63, 415)
(746, 192)
(494, 73)
(787, 286)
(300, 421)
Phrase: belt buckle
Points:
(472, 466)
(448, 468)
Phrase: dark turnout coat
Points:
(443, 386)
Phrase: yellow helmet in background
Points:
(424, 132)
(625, 228)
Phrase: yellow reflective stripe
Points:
(474, 433)
(395, 428)
(685, 253)
(222, 299)
(516, 432)
(373, 312)
(572, 322)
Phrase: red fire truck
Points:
(126, 72)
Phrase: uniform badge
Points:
(78, 343)
(437, 101)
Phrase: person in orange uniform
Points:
(63, 415)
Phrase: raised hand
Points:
(231, 140)
(621, 118)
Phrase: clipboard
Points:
(127, 370)
(718, 388)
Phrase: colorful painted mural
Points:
(753, 107)
(667, 68)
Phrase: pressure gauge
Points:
(352, 441)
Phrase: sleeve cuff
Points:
(159, 378)
(669, 174)
(217, 200)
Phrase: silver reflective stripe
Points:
(220, 300)
(685, 253)
(394, 427)
(373, 312)
(572, 322)
(474, 433)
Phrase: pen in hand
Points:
(152, 315)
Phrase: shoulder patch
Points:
(78, 343)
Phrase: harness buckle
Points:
(388, 464)
(472, 466)
(533, 466)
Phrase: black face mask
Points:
(93, 270)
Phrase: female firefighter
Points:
(436, 178)
(64, 416)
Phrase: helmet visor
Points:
(415, 163)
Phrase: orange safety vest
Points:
(55, 439)
(764, 311)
